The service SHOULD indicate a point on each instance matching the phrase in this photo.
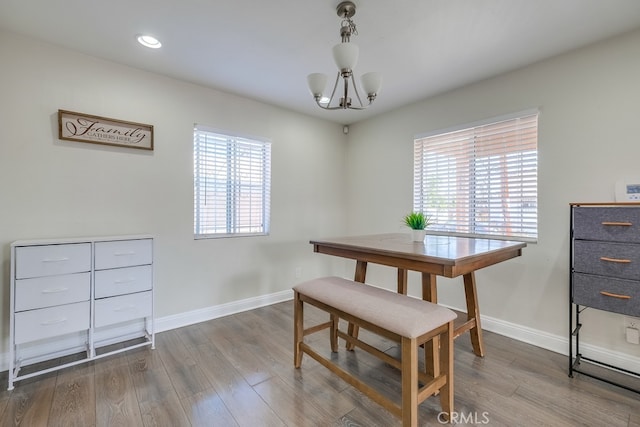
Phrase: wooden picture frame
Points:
(73, 126)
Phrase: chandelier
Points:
(345, 55)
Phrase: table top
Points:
(445, 255)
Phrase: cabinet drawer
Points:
(587, 291)
(119, 281)
(49, 322)
(607, 259)
(615, 224)
(123, 253)
(40, 292)
(49, 260)
(122, 308)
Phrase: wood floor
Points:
(238, 371)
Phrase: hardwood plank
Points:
(163, 413)
(30, 403)
(188, 380)
(207, 409)
(239, 348)
(324, 389)
(192, 335)
(151, 384)
(116, 402)
(366, 413)
(157, 397)
(239, 397)
(5, 395)
(492, 376)
(74, 400)
(483, 403)
(293, 405)
(571, 405)
(173, 351)
(186, 376)
(143, 359)
(238, 371)
(113, 361)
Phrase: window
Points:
(481, 180)
(232, 183)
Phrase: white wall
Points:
(589, 136)
(323, 183)
(52, 188)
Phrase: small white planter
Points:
(417, 235)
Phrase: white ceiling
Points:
(264, 49)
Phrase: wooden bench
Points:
(408, 321)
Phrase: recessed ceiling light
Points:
(148, 41)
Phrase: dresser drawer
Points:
(615, 224)
(49, 322)
(123, 253)
(624, 295)
(122, 308)
(119, 281)
(607, 259)
(49, 260)
(43, 292)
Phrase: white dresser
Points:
(78, 295)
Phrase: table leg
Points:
(359, 276)
(429, 288)
(361, 271)
(402, 281)
(431, 348)
(473, 313)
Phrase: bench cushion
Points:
(400, 314)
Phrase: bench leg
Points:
(446, 367)
(333, 331)
(409, 369)
(298, 329)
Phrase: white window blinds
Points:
(482, 180)
(232, 183)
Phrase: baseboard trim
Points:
(556, 343)
(209, 313)
(559, 344)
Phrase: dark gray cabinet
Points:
(605, 271)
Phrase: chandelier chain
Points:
(348, 26)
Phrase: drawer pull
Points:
(609, 294)
(124, 281)
(125, 308)
(54, 290)
(622, 261)
(133, 253)
(56, 259)
(624, 224)
(53, 321)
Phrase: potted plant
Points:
(417, 222)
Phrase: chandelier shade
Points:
(345, 56)
(317, 82)
(371, 82)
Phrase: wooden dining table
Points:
(437, 255)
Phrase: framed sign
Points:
(102, 130)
